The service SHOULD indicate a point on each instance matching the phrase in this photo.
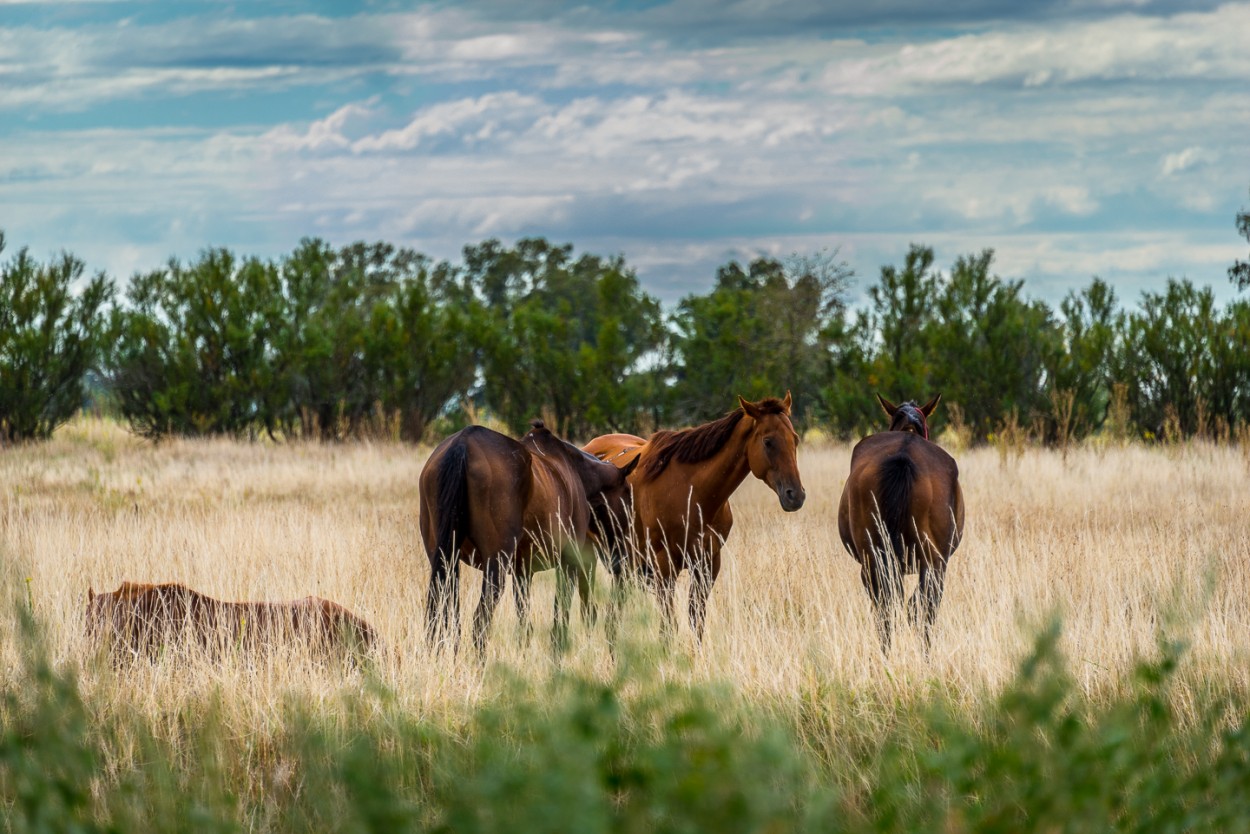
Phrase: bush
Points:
(575, 754)
(50, 339)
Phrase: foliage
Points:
(968, 335)
(371, 339)
(1185, 362)
(50, 339)
(368, 329)
(1080, 367)
(1239, 272)
(634, 754)
(192, 350)
(565, 338)
(761, 331)
(326, 344)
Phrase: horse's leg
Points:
(442, 601)
(521, 578)
(492, 589)
(616, 600)
(585, 570)
(884, 583)
(665, 588)
(704, 569)
(923, 606)
(566, 575)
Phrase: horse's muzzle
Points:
(791, 498)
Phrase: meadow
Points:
(1122, 557)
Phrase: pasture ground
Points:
(1127, 547)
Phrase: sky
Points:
(1075, 138)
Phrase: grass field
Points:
(1123, 544)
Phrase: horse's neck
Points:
(714, 480)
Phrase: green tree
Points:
(329, 365)
(50, 338)
(762, 330)
(192, 349)
(1079, 377)
(1172, 359)
(968, 335)
(426, 344)
(1239, 272)
(989, 346)
(573, 339)
(902, 313)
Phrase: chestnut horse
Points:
(140, 619)
(494, 503)
(681, 516)
(902, 511)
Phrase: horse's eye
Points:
(768, 443)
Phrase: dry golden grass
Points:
(1120, 543)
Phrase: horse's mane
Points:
(699, 443)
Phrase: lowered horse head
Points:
(772, 448)
(605, 483)
(607, 489)
(908, 416)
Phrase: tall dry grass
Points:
(1121, 543)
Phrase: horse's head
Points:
(908, 416)
(771, 449)
(605, 483)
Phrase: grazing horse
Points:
(681, 488)
(139, 619)
(494, 503)
(902, 511)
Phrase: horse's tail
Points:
(898, 473)
(453, 500)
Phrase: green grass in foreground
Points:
(575, 754)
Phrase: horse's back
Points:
(928, 476)
(619, 448)
(497, 483)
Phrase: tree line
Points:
(333, 343)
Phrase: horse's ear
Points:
(928, 407)
(631, 466)
(90, 594)
(889, 407)
(787, 401)
(749, 407)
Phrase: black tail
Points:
(453, 500)
(898, 472)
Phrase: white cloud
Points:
(680, 157)
(478, 118)
(1125, 47)
(1175, 163)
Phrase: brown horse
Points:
(681, 489)
(494, 503)
(902, 511)
(139, 620)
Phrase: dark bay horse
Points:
(139, 620)
(680, 516)
(902, 511)
(495, 503)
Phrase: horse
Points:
(902, 511)
(140, 619)
(494, 503)
(680, 515)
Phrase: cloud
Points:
(1192, 157)
(481, 119)
(1121, 48)
(1074, 143)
